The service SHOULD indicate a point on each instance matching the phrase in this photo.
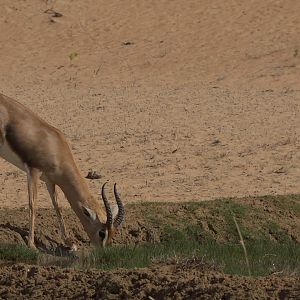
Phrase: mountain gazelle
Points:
(42, 151)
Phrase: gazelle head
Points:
(100, 233)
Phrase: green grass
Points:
(17, 253)
(265, 257)
(176, 244)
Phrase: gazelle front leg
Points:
(32, 181)
(52, 192)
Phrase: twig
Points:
(242, 242)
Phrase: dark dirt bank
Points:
(188, 280)
(146, 221)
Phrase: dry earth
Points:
(174, 100)
(189, 280)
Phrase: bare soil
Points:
(188, 280)
(175, 101)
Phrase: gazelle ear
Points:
(89, 213)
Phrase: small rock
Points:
(128, 43)
(53, 13)
(215, 142)
(93, 175)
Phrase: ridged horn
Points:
(121, 210)
(109, 216)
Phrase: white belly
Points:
(9, 155)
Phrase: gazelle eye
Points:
(102, 235)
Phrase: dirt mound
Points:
(14, 229)
(188, 280)
(275, 218)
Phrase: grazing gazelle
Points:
(42, 151)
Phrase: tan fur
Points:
(38, 148)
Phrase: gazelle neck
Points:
(78, 194)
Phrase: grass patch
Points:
(175, 244)
(265, 257)
(17, 253)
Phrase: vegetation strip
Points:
(198, 230)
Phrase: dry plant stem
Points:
(242, 243)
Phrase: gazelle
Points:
(41, 150)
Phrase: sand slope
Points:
(173, 100)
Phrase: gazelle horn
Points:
(121, 210)
(109, 216)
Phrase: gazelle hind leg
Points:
(53, 195)
(32, 181)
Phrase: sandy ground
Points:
(173, 100)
